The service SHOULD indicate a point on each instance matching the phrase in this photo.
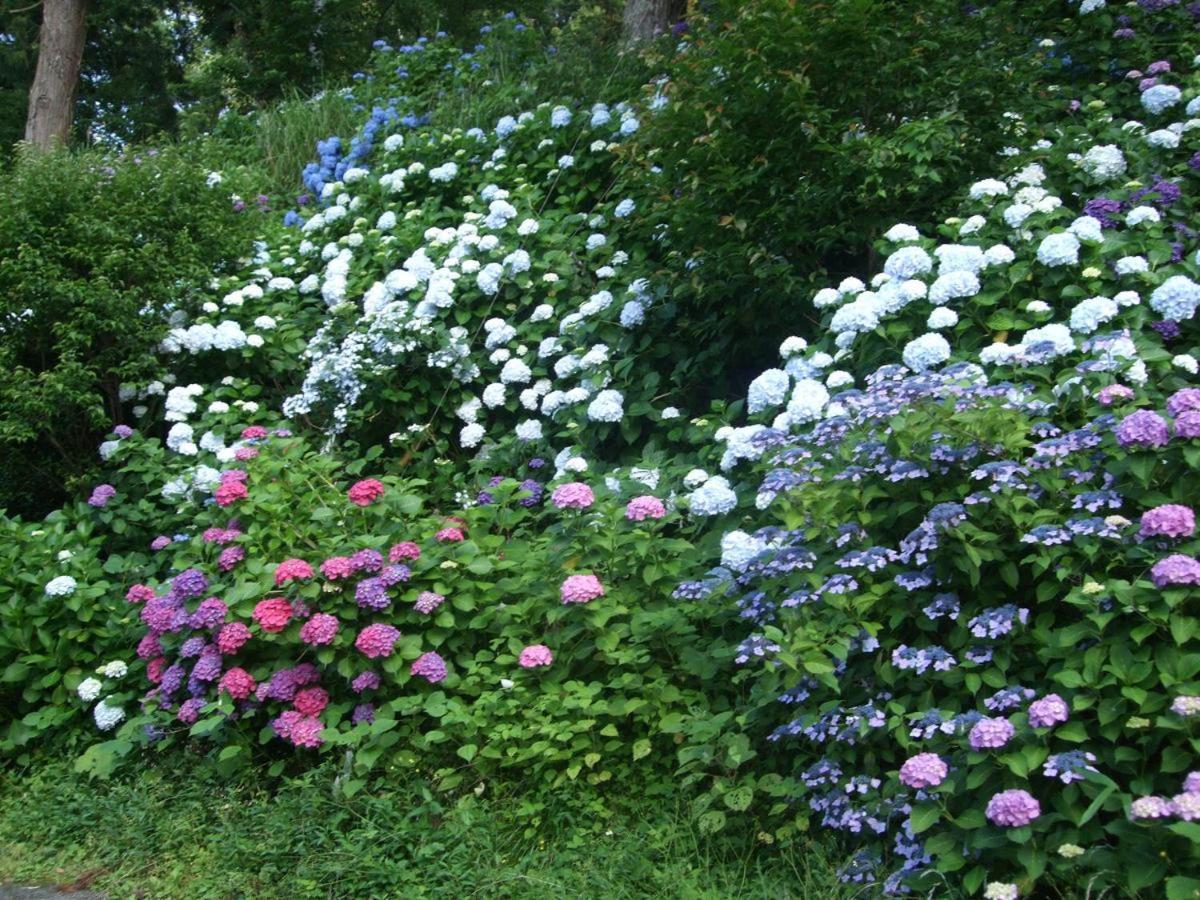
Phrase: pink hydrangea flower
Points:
(337, 567)
(1013, 809)
(1169, 520)
(581, 589)
(291, 570)
(242, 454)
(230, 492)
(645, 507)
(273, 614)
(365, 492)
(1191, 784)
(237, 683)
(377, 640)
(427, 602)
(232, 637)
(321, 629)
(162, 542)
(306, 732)
(367, 681)
(430, 666)
(101, 495)
(1175, 570)
(574, 495)
(139, 593)
(149, 647)
(154, 669)
(1150, 808)
(1185, 400)
(253, 433)
(925, 770)
(1049, 711)
(990, 733)
(535, 655)
(230, 557)
(405, 550)
(450, 536)
(189, 711)
(1186, 806)
(1113, 393)
(311, 701)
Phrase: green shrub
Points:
(95, 252)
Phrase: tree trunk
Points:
(644, 19)
(60, 54)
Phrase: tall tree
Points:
(60, 54)
(644, 19)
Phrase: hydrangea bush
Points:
(972, 543)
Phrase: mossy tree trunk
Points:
(60, 55)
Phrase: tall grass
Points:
(183, 832)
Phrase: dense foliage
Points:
(950, 550)
(86, 296)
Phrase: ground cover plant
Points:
(411, 492)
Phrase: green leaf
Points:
(925, 817)
(1182, 888)
(739, 798)
(467, 751)
(641, 748)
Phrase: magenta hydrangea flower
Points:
(1185, 400)
(450, 536)
(285, 722)
(162, 542)
(430, 666)
(535, 655)
(306, 732)
(365, 492)
(244, 454)
(1175, 570)
(149, 647)
(292, 570)
(427, 602)
(366, 681)
(189, 711)
(377, 640)
(273, 614)
(1049, 711)
(232, 637)
(230, 491)
(581, 589)
(311, 701)
(230, 557)
(573, 495)
(237, 683)
(1187, 425)
(254, 433)
(645, 507)
(1170, 520)
(404, 551)
(1143, 429)
(1013, 809)
(925, 770)
(337, 567)
(101, 494)
(139, 593)
(321, 629)
(1113, 393)
(990, 734)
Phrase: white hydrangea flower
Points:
(925, 352)
(808, 401)
(471, 435)
(1090, 314)
(713, 498)
(900, 232)
(941, 317)
(107, 717)
(1140, 214)
(1160, 97)
(1187, 362)
(1061, 249)
(62, 586)
(768, 390)
(739, 548)
(115, 669)
(606, 407)
(1104, 162)
(529, 430)
(89, 689)
(1176, 298)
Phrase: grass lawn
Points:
(184, 832)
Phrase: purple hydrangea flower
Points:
(1143, 429)
(990, 734)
